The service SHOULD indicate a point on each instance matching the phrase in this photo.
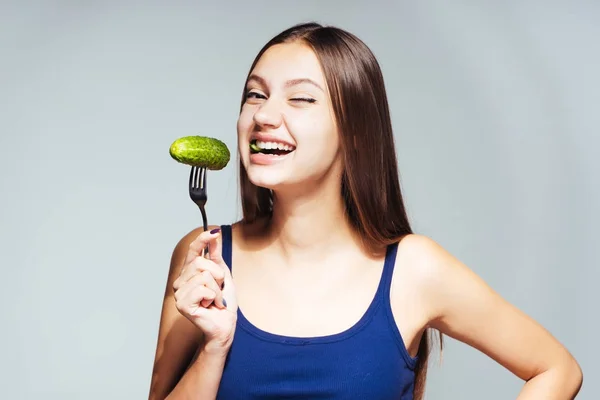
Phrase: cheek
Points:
(321, 144)
(324, 135)
(244, 122)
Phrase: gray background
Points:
(495, 109)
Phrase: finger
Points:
(202, 265)
(212, 284)
(183, 289)
(206, 279)
(202, 279)
(199, 244)
(191, 301)
(189, 286)
(197, 266)
(186, 287)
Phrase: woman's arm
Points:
(178, 337)
(201, 381)
(461, 305)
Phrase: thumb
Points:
(215, 254)
(196, 248)
(215, 248)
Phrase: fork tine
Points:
(202, 178)
(197, 179)
(192, 173)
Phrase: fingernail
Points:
(216, 230)
(225, 302)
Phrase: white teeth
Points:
(273, 145)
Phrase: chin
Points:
(266, 179)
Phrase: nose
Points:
(268, 115)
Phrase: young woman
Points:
(337, 295)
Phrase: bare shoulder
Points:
(430, 269)
(458, 303)
(423, 258)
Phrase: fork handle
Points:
(205, 225)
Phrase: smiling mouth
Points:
(275, 149)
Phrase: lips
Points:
(267, 159)
(266, 137)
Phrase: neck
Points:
(309, 222)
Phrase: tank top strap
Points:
(388, 273)
(226, 248)
(384, 293)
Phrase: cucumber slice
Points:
(200, 151)
(254, 147)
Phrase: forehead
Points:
(289, 61)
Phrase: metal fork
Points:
(197, 188)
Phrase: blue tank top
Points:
(367, 361)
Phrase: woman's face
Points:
(287, 114)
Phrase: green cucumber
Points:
(200, 151)
(254, 147)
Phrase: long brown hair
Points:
(370, 181)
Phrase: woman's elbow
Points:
(572, 375)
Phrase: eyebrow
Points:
(289, 83)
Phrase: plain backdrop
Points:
(495, 106)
